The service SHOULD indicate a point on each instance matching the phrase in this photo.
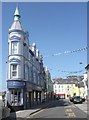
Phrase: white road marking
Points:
(68, 110)
(70, 113)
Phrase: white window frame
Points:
(16, 97)
(12, 70)
(14, 48)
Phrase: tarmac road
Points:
(60, 109)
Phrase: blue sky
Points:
(54, 27)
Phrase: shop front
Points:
(16, 94)
(61, 96)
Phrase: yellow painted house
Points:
(77, 90)
(74, 90)
(65, 88)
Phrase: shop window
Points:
(19, 96)
(15, 97)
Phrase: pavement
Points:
(83, 107)
(25, 113)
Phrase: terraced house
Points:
(26, 81)
(71, 86)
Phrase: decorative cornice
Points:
(15, 38)
(15, 30)
(19, 55)
(14, 60)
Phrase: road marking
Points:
(70, 113)
(67, 106)
(68, 110)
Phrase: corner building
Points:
(25, 83)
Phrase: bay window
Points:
(14, 47)
(14, 70)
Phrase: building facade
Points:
(85, 81)
(49, 84)
(62, 88)
(69, 87)
(25, 73)
(87, 69)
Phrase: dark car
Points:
(71, 99)
(83, 99)
(57, 97)
(77, 99)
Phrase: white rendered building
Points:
(25, 83)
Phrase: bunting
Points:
(67, 52)
(72, 72)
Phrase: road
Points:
(60, 109)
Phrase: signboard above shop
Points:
(15, 84)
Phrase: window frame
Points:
(12, 70)
(13, 49)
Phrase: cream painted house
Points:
(65, 88)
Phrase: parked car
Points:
(83, 99)
(77, 99)
(71, 99)
(57, 98)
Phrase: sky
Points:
(55, 27)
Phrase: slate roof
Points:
(16, 25)
(81, 84)
(68, 81)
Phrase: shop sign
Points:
(15, 84)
